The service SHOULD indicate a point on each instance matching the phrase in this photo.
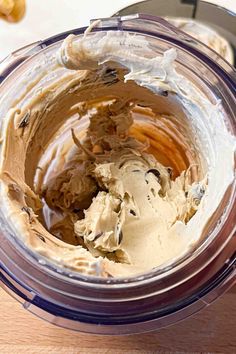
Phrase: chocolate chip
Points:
(110, 77)
(110, 71)
(76, 210)
(164, 93)
(27, 210)
(132, 212)
(118, 233)
(41, 237)
(201, 192)
(120, 237)
(135, 170)
(170, 171)
(154, 172)
(153, 192)
(97, 236)
(25, 120)
(142, 105)
(186, 194)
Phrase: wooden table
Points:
(211, 331)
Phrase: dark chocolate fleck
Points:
(153, 192)
(132, 212)
(110, 71)
(154, 172)
(97, 236)
(27, 210)
(201, 192)
(120, 237)
(142, 105)
(164, 93)
(25, 120)
(170, 171)
(110, 76)
(119, 233)
(41, 237)
(186, 194)
(76, 210)
(135, 170)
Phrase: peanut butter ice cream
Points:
(110, 170)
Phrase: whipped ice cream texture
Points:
(118, 197)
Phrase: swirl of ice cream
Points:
(113, 168)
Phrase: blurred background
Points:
(44, 18)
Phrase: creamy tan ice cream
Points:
(104, 171)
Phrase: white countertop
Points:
(45, 18)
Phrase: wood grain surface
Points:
(213, 330)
